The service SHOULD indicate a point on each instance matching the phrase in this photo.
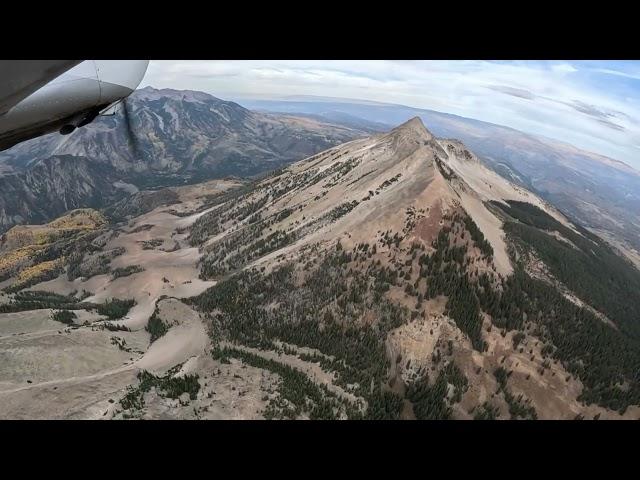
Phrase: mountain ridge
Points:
(389, 277)
(600, 192)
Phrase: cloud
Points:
(590, 110)
(612, 125)
(618, 73)
(515, 92)
(564, 68)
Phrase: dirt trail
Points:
(85, 397)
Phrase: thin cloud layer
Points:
(593, 105)
(516, 92)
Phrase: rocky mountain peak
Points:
(413, 128)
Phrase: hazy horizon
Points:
(593, 105)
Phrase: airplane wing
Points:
(20, 78)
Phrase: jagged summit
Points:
(413, 127)
(414, 123)
(409, 137)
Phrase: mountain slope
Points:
(389, 256)
(389, 277)
(602, 193)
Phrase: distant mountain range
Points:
(602, 193)
(172, 137)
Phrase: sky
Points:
(594, 105)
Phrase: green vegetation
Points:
(234, 206)
(126, 271)
(341, 210)
(486, 411)
(254, 309)
(37, 300)
(78, 265)
(297, 394)
(112, 327)
(115, 308)
(593, 271)
(231, 256)
(605, 359)
(388, 183)
(243, 316)
(319, 306)
(156, 327)
(121, 343)
(151, 244)
(340, 169)
(64, 316)
(517, 339)
(445, 271)
(383, 405)
(501, 377)
(219, 355)
(445, 170)
(478, 237)
(168, 386)
(432, 402)
(75, 267)
(519, 407)
(171, 386)
(245, 213)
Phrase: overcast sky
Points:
(594, 105)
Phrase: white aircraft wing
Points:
(20, 78)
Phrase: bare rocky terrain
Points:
(393, 276)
